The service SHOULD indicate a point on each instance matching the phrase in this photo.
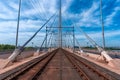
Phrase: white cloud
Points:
(8, 26)
(65, 5)
(24, 34)
(109, 19)
(98, 35)
(7, 38)
(118, 1)
(6, 13)
(45, 7)
(14, 5)
(24, 25)
(27, 27)
(88, 18)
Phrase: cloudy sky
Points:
(78, 13)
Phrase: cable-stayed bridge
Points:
(60, 55)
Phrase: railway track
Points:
(87, 71)
(60, 65)
(30, 72)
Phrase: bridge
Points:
(60, 55)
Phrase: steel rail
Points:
(92, 68)
(79, 70)
(32, 69)
(73, 59)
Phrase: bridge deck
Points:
(61, 65)
(59, 68)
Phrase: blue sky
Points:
(78, 13)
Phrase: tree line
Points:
(6, 47)
(11, 47)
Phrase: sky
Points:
(84, 14)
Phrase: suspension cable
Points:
(22, 48)
(90, 39)
(70, 39)
(47, 35)
(51, 42)
(49, 39)
(37, 10)
(41, 6)
(78, 43)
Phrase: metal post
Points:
(16, 52)
(70, 41)
(102, 23)
(65, 40)
(16, 45)
(51, 42)
(41, 47)
(60, 26)
(73, 40)
(78, 44)
(46, 38)
(50, 38)
(32, 44)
